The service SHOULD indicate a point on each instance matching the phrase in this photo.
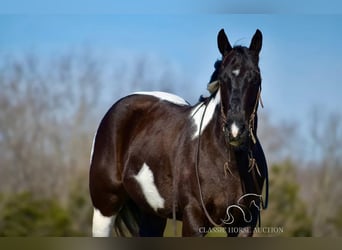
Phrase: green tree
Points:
(24, 215)
(336, 222)
(286, 209)
(79, 206)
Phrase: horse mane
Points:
(214, 75)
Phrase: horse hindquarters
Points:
(106, 201)
(109, 153)
(107, 197)
(106, 190)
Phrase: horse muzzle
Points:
(236, 132)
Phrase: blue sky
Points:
(174, 6)
(301, 59)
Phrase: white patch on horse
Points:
(197, 114)
(236, 72)
(165, 97)
(146, 181)
(102, 225)
(92, 148)
(234, 129)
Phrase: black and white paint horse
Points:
(155, 156)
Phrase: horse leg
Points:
(237, 231)
(151, 226)
(246, 230)
(193, 222)
(249, 230)
(104, 214)
(232, 231)
(102, 225)
(108, 196)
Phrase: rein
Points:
(212, 87)
(197, 173)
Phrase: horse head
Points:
(238, 77)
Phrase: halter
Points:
(213, 87)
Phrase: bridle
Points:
(250, 121)
(213, 87)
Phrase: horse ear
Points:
(223, 43)
(256, 42)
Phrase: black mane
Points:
(214, 75)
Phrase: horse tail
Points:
(128, 220)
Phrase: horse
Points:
(155, 156)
